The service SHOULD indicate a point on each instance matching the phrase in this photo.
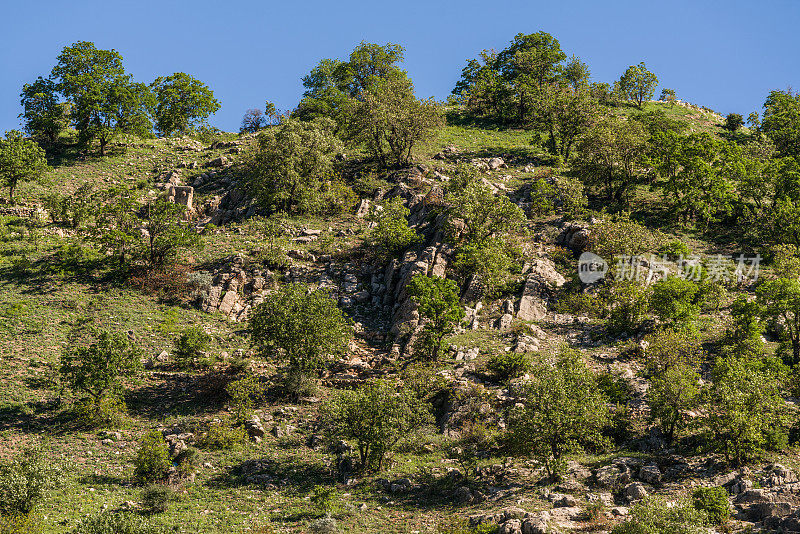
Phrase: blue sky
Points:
(726, 55)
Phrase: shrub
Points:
(629, 304)
(187, 461)
(298, 384)
(377, 416)
(244, 393)
(714, 502)
(98, 370)
(122, 523)
(305, 328)
(733, 121)
(325, 499)
(619, 235)
(673, 300)
(563, 411)
(672, 393)
(473, 441)
(24, 479)
(439, 307)
(391, 234)
(222, 436)
(191, 344)
(156, 498)
(108, 412)
(507, 365)
(152, 459)
(20, 524)
(655, 516)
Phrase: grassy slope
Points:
(38, 304)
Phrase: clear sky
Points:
(724, 54)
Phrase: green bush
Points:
(391, 234)
(325, 499)
(222, 436)
(244, 393)
(122, 523)
(24, 479)
(156, 498)
(508, 365)
(655, 516)
(20, 524)
(191, 345)
(377, 416)
(673, 301)
(187, 461)
(152, 459)
(108, 412)
(714, 502)
(629, 304)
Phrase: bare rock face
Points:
(181, 194)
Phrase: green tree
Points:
(746, 410)
(476, 214)
(20, 159)
(391, 121)
(44, 116)
(391, 233)
(117, 228)
(182, 102)
(291, 165)
(667, 95)
(439, 308)
(563, 113)
(781, 121)
(673, 301)
(638, 84)
(24, 481)
(576, 73)
(377, 416)
(304, 328)
(563, 411)
(733, 121)
(167, 233)
(612, 156)
(104, 99)
(780, 302)
(99, 369)
(671, 394)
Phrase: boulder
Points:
(635, 492)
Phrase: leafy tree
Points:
(733, 121)
(167, 233)
(391, 121)
(304, 328)
(638, 84)
(439, 308)
(668, 348)
(98, 370)
(781, 121)
(291, 164)
(333, 84)
(780, 302)
(631, 302)
(612, 156)
(253, 121)
(391, 233)
(190, 345)
(103, 98)
(44, 116)
(476, 214)
(673, 301)
(667, 95)
(562, 412)
(746, 410)
(117, 229)
(480, 88)
(20, 159)
(576, 73)
(182, 102)
(672, 393)
(563, 113)
(377, 416)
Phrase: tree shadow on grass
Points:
(178, 394)
(296, 475)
